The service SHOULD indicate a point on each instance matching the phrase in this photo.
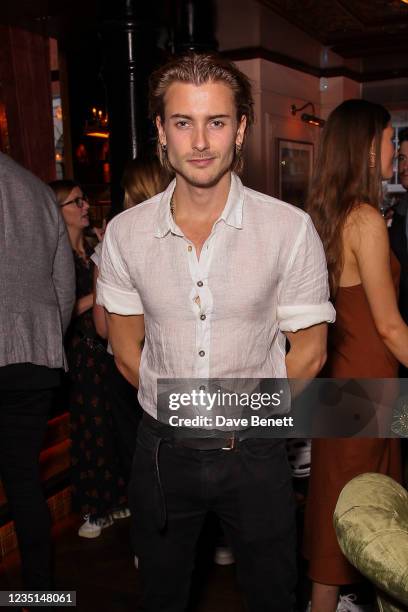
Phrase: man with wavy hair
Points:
(211, 278)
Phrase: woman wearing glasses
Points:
(98, 487)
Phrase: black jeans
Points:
(23, 421)
(249, 488)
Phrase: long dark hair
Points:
(347, 174)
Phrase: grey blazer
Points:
(37, 277)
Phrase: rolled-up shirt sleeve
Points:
(96, 255)
(115, 289)
(303, 298)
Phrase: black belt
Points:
(228, 442)
(205, 444)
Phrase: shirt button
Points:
(203, 317)
(201, 353)
(201, 388)
(200, 284)
(190, 248)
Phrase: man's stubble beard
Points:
(194, 180)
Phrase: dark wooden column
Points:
(129, 51)
(195, 26)
(26, 99)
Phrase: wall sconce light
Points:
(307, 118)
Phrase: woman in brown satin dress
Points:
(369, 336)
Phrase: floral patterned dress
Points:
(98, 487)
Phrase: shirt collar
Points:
(231, 215)
(233, 211)
(165, 222)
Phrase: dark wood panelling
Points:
(26, 92)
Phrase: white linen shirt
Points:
(262, 271)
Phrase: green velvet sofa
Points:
(371, 523)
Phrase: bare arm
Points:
(368, 239)
(83, 304)
(126, 335)
(116, 291)
(98, 312)
(307, 355)
(304, 308)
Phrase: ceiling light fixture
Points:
(306, 117)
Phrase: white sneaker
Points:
(299, 455)
(93, 530)
(223, 556)
(346, 604)
(121, 513)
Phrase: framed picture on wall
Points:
(295, 166)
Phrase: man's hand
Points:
(126, 335)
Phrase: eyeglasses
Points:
(79, 201)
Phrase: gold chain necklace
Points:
(173, 208)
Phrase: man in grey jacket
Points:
(37, 287)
